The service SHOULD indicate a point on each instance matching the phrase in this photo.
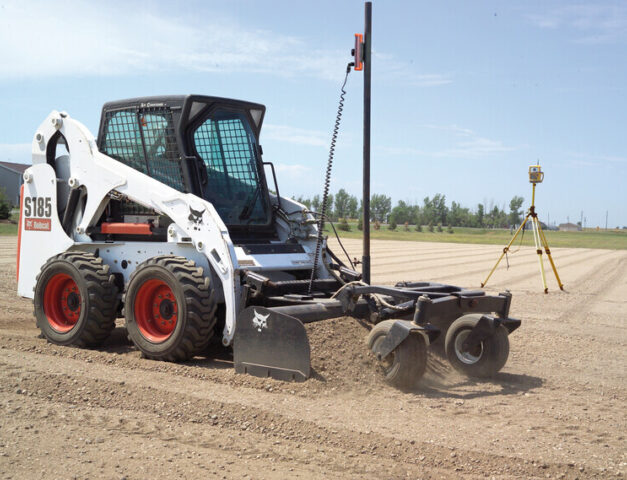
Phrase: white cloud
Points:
(587, 159)
(293, 170)
(300, 136)
(289, 174)
(449, 128)
(391, 68)
(110, 38)
(467, 144)
(592, 23)
(478, 146)
(430, 80)
(74, 38)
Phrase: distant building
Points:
(11, 180)
(569, 227)
(543, 226)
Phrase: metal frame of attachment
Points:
(276, 313)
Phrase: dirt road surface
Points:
(557, 410)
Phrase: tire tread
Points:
(102, 296)
(494, 357)
(200, 301)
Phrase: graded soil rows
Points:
(468, 266)
(556, 411)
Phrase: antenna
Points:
(362, 54)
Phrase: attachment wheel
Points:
(406, 364)
(485, 359)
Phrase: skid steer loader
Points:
(167, 219)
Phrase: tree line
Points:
(433, 211)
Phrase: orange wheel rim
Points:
(62, 302)
(156, 310)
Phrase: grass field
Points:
(8, 229)
(610, 239)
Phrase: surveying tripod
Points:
(539, 238)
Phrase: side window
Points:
(227, 150)
(123, 139)
(145, 141)
(227, 146)
(161, 150)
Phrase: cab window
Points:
(227, 146)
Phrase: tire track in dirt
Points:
(155, 446)
(188, 372)
(520, 278)
(433, 263)
(406, 248)
(600, 346)
(84, 384)
(602, 278)
(436, 261)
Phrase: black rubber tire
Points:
(491, 357)
(98, 299)
(196, 308)
(407, 363)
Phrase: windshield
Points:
(227, 146)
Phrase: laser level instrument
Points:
(536, 175)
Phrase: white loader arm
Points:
(99, 174)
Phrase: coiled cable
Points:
(327, 178)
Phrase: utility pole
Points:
(606, 212)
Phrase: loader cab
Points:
(207, 146)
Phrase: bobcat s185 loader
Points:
(167, 220)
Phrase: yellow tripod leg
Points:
(548, 254)
(505, 250)
(536, 239)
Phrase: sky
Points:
(465, 95)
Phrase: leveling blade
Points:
(271, 344)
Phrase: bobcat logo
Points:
(260, 321)
(195, 216)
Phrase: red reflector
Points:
(358, 52)
(126, 228)
(19, 232)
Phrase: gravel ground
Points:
(557, 410)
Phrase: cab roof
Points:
(174, 101)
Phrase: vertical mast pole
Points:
(366, 180)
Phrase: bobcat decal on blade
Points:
(260, 321)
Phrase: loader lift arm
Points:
(100, 175)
